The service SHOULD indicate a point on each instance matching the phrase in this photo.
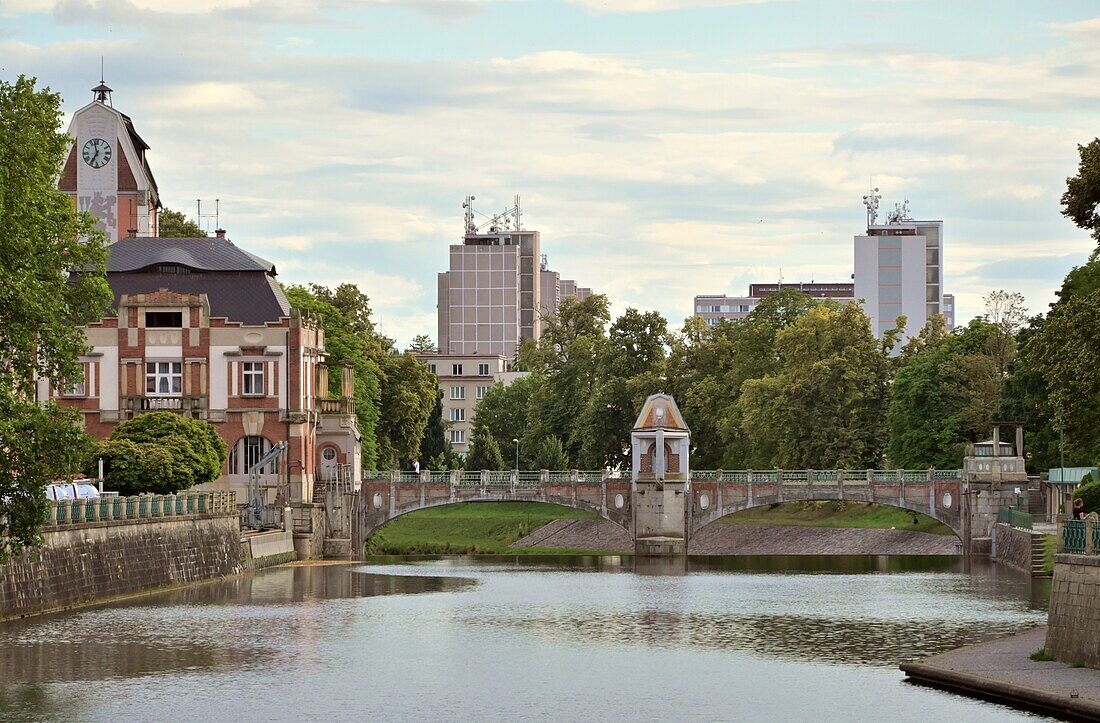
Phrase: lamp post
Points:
(517, 453)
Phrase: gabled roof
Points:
(134, 254)
(660, 412)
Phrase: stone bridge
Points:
(713, 493)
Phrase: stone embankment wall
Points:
(1020, 549)
(1073, 622)
(93, 561)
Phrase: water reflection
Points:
(238, 628)
(525, 637)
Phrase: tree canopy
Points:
(174, 224)
(53, 276)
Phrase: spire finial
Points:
(102, 91)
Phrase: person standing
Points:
(416, 466)
(1078, 509)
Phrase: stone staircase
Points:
(1038, 556)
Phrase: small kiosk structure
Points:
(660, 443)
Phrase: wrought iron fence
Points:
(1015, 518)
(1073, 536)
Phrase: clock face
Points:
(97, 152)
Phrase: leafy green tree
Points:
(160, 452)
(1081, 200)
(52, 281)
(174, 224)
(409, 392)
(484, 454)
(505, 412)
(423, 343)
(549, 454)
(824, 407)
(436, 451)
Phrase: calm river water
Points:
(768, 638)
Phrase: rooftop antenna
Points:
(871, 202)
(517, 215)
(468, 204)
(207, 216)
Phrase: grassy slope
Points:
(484, 527)
(837, 514)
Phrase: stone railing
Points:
(140, 507)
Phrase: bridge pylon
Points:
(661, 478)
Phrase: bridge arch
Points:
(940, 499)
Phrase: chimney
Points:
(132, 231)
(220, 232)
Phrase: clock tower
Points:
(106, 172)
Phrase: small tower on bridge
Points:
(995, 477)
(661, 477)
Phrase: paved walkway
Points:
(1002, 669)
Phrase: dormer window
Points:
(163, 319)
(170, 269)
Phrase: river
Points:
(520, 638)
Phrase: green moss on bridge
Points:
(475, 527)
(837, 513)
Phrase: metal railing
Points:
(1073, 536)
(140, 507)
(800, 477)
(1015, 518)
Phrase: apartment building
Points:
(715, 308)
(464, 381)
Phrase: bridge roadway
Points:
(714, 493)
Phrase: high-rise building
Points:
(105, 171)
(555, 290)
(899, 269)
(715, 308)
(489, 298)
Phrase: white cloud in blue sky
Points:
(663, 147)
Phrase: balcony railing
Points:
(193, 405)
(344, 405)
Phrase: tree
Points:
(53, 281)
(505, 412)
(824, 407)
(549, 454)
(174, 224)
(409, 392)
(1081, 200)
(160, 452)
(422, 343)
(484, 453)
(436, 451)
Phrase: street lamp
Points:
(517, 453)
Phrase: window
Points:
(458, 414)
(75, 389)
(247, 452)
(253, 379)
(715, 309)
(163, 319)
(458, 392)
(482, 391)
(458, 436)
(483, 370)
(431, 368)
(164, 378)
(456, 370)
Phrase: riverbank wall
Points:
(1073, 620)
(97, 561)
(1023, 550)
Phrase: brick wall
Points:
(1073, 621)
(100, 560)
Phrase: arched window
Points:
(247, 452)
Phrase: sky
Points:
(663, 148)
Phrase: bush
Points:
(1090, 493)
(160, 452)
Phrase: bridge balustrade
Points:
(137, 507)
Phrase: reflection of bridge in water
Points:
(711, 494)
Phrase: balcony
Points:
(344, 405)
(187, 405)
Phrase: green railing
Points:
(1014, 517)
(1073, 536)
(103, 509)
(800, 477)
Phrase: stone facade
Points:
(1073, 622)
(101, 560)
(1020, 549)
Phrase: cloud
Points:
(654, 6)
